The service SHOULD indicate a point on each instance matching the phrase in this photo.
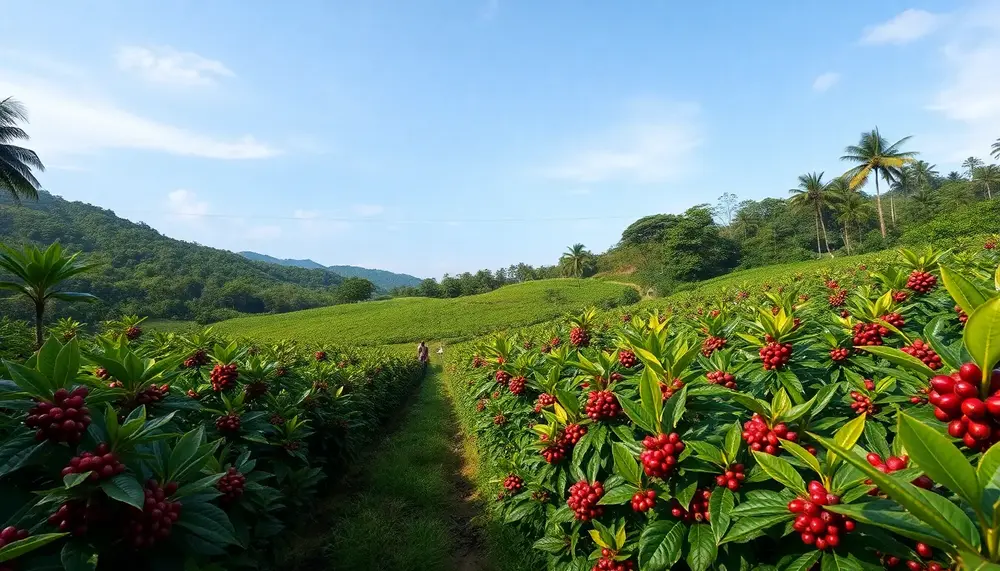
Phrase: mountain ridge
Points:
(383, 279)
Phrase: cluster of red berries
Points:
(697, 510)
(197, 359)
(668, 390)
(146, 527)
(78, 516)
(64, 419)
(607, 562)
(627, 359)
(956, 401)
(255, 390)
(893, 464)
(102, 463)
(516, 385)
(564, 441)
(228, 424)
(775, 355)
(918, 399)
(721, 378)
(513, 483)
(152, 394)
(502, 377)
(133, 333)
(817, 526)
(544, 400)
(500, 420)
(276, 420)
(832, 284)
(923, 351)
(869, 334)
(839, 354)
(9, 535)
(579, 337)
(862, 404)
(223, 376)
(102, 373)
(962, 316)
(899, 296)
(643, 501)
(741, 295)
(895, 319)
(477, 362)
(732, 477)
(761, 438)
(660, 454)
(583, 498)
(921, 282)
(232, 485)
(837, 299)
(925, 552)
(712, 344)
(602, 405)
(626, 318)
(990, 244)
(320, 355)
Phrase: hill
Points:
(383, 280)
(413, 319)
(141, 271)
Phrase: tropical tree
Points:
(39, 276)
(813, 194)
(995, 150)
(923, 174)
(971, 164)
(16, 178)
(575, 260)
(852, 208)
(873, 153)
(986, 177)
(954, 176)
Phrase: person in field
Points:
(423, 353)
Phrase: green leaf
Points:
(78, 556)
(67, 364)
(706, 451)
(702, 548)
(551, 544)
(74, 480)
(569, 400)
(21, 458)
(185, 449)
(748, 528)
(124, 488)
(618, 495)
(660, 545)
(626, 465)
(29, 380)
(781, 471)
(732, 445)
(888, 516)
(674, 409)
(209, 522)
(48, 354)
(637, 414)
(780, 404)
(18, 548)
(805, 561)
(966, 294)
(939, 459)
(900, 359)
(753, 404)
(651, 397)
(803, 455)
(833, 562)
(971, 561)
(720, 508)
(982, 336)
(762, 503)
(846, 437)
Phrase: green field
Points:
(413, 319)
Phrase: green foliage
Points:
(353, 290)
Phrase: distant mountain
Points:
(382, 279)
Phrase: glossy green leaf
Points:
(900, 359)
(209, 522)
(660, 545)
(888, 516)
(618, 495)
(982, 336)
(732, 445)
(702, 548)
(78, 556)
(720, 509)
(805, 561)
(966, 294)
(781, 471)
(846, 437)
(803, 455)
(749, 528)
(939, 459)
(21, 547)
(124, 488)
(626, 465)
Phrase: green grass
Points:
(403, 320)
(170, 325)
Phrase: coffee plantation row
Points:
(132, 451)
(841, 420)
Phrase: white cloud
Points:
(168, 66)
(367, 210)
(656, 143)
(67, 120)
(826, 81)
(907, 26)
(184, 205)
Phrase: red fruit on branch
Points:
(761, 438)
(579, 337)
(668, 390)
(862, 404)
(583, 498)
(513, 483)
(477, 362)
(721, 378)
(502, 377)
(143, 529)
(643, 501)
(152, 394)
(320, 355)
(627, 359)
(500, 420)
(956, 401)
(816, 525)
(921, 282)
(101, 463)
(609, 562)
(775, 355)
(516, 385)
(78, 516)
(697, 509)
(899, 296)
(602, 405)
(893, 464)
(544, 400)
(923, 351)
(839, 354)
(231, 484)
(133, 333)
(868, 334)
(63, 419)
(837, 299)
(102, 373)
(660, 454)
(712, 344)
(962, 316)
(223, 376)
(228, 424)
(197, 359)
(732, 477)
(832, 284)
(895, 319)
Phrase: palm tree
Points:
(971, 164)
(874, 153)
(575, 260)
(995, 150)
(812, 193)
(954, 176)
(16, 179)
(852, 208)
(985, 177)
(40, 275)
(923, 174)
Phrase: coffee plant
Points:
(837, 421)
(133, 450)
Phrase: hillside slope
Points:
(413, 319)
(139, 270)
(383, 279)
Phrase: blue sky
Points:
(446, 136)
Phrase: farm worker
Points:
(440, 350)
(422, 352)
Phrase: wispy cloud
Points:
(907, 26)
(655, 143)
(185, 205)
(826, 81)
(168, 66)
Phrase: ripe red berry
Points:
(721, 378)
(921, 282)
(660, 454)
(502, 377)
(63, 419)
(579, 337)
(516, 385)
(839, 354)
(643, 501)
(668, 390)
(923, 351)
(697, 509)
(101, 463)
(602, 405)
(712, 344)
(583, 498)
(775, 355)
(228, 424)
(627, 359)
(513, 483)
(231, 484)
(223, 376)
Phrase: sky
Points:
(442, 136)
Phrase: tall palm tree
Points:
(873, 153)
(39, 276)
(954, 176)
(16, 178)
(923, 174)
(986, 177)
(574, 260)
(812, 194)
(852, 208)
(995, 150)
(971, 164)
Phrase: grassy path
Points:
(411, 505)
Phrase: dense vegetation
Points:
(778, 426)
(382, 279)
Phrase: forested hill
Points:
(383, 279)
(144, 272)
